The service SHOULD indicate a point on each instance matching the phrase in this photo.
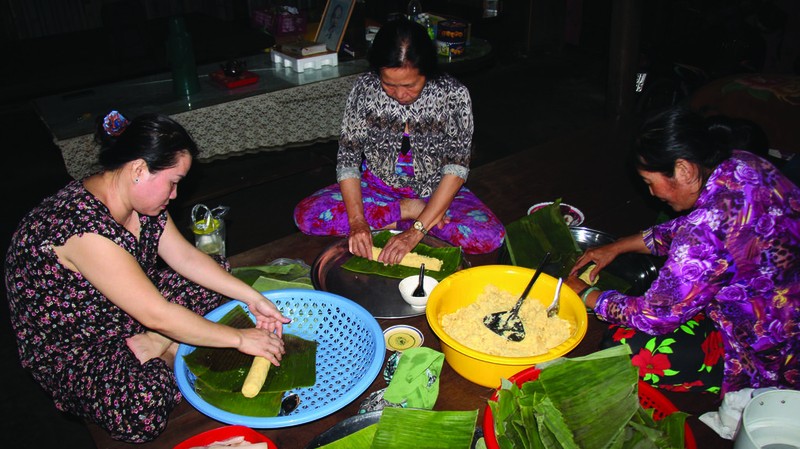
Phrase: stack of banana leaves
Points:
(529, 238)
(585, 402)
(221, 373)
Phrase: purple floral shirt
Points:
(736, 257)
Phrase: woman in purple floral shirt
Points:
(96, 316)
(733, 257)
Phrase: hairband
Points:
(115, 123)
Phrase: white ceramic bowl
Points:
(409, 284)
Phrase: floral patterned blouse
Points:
(736, 257)
(72, 338)
(440, 132)
(59, 318)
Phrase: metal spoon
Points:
(507, 324)
(552, 309)
(419, 292)
(288, 404)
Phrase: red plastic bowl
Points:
(223, 433)
(649, 397)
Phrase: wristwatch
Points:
(420, 227)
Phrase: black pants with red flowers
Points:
(688, 359)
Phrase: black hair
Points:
(155, 138)
(403, 43)
(679, 133)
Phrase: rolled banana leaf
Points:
(449, 255)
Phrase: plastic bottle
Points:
(208, 227)
(181, 59)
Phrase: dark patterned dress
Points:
(371, 148)
(72, 338)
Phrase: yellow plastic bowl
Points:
(463, 287)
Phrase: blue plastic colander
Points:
(350, 354)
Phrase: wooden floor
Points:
(586, 169)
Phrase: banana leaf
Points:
(507, 415)
(552, 425)
(226, 369)
(221, 372)
(403, 428)
(275, 277)
(361, 439)
(266, 284)
(529, 238)
(264, 404)
(666, 432)
(449, 255)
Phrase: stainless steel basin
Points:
(637, 269)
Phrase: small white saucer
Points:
(402, 337)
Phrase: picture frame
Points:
(334, 22)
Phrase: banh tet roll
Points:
(413, 260)
(255, 377)
(584, 276)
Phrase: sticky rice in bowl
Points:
(486, 366)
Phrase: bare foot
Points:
(149, 345)
(169, 355)
(411, 208)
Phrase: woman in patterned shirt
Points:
(96, 315)
(732, 260)
(403, 158)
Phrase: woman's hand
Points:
(359, 242)
(261, 342)
(268, 316)
(398, 246)
(601, 256)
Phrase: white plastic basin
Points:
(771, 420)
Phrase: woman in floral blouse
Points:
(404, 155)
(732, 261)
(96, 315)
